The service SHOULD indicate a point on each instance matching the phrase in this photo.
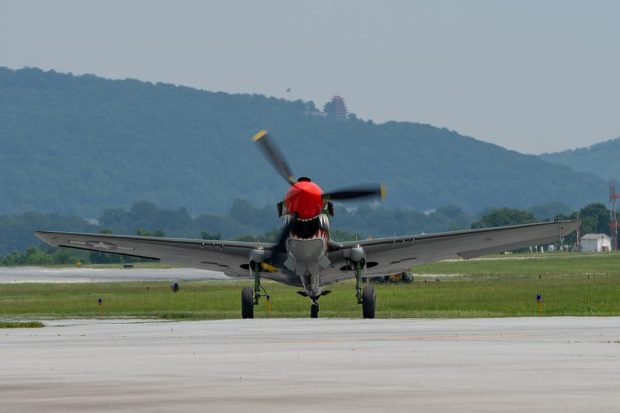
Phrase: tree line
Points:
(245, 222)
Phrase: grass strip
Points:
(21, 324)
(451, 297)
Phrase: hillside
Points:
(601, 159)
(81, 144)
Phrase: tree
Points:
(594, 219)
(242, 211)
(146, 233)
(498, 217)
(210, 235)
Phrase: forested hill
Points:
(80, 144)
(602, 159)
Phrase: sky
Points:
(533, 76)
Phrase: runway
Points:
(67, 275)
(562, 364)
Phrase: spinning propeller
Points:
(305, 200)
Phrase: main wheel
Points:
(368, 301)
(247, 302)
(314, 311)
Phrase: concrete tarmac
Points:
(68, 275)
(558, 364)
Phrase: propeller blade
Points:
(274, 156)
(356, 192)
(284, 234)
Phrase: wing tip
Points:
(44, 236)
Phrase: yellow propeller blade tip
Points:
(383, 191)
(259, 135)
(267, 267)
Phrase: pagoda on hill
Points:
(336, 108)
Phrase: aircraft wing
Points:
(396, 254)
(225, 256)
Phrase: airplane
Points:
(304, 255)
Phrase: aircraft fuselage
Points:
(306, 216)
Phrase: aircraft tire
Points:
(314, 311)
(368, 301)
(247, 302)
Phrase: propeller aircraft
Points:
(304, 255)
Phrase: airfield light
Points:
(539, 302)
(269, 304)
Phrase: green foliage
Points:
(550, 210)
(210, 235)
(498, 217)
(271, 236)
(16, 230)
(21, 324)
(81, 145)
(43, 256)
(341, 235)
(381, 221)
(146, 233)
(594, 219)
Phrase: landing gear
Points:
(249, 296)
(247, 302)
(368, 301)
(358, 281)
(314, 310)
(365, 297)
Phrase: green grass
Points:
(499, 288)
(21, 324)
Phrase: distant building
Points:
(336, 108)
(595, 243)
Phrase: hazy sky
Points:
(533, 76)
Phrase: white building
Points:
(595, 243)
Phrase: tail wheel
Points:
(247, 302)
(314, 311)
(368, 301)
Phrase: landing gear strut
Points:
(358, 281)
(314, 310)
(249, 296)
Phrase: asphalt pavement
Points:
(549, 364)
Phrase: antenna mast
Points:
(613, 222)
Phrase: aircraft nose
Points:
(304, 200)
